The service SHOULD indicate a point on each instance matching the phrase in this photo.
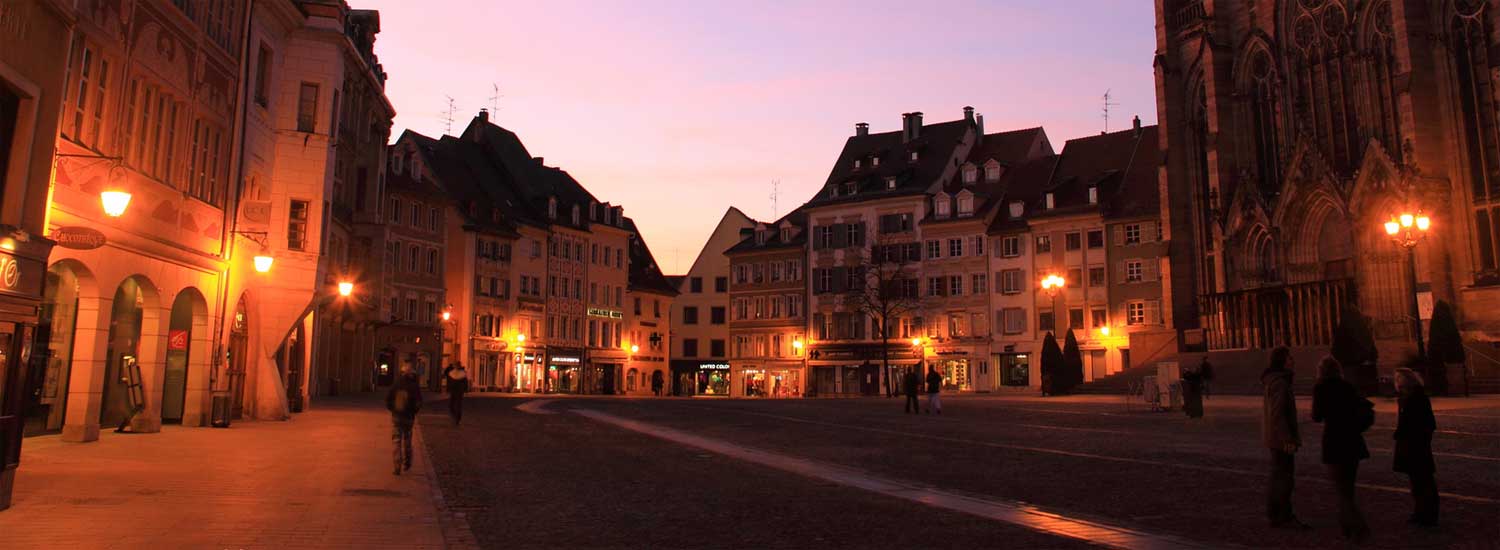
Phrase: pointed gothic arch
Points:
(1257, 81)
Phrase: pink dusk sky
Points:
(680, 110)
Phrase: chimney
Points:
(905, 127)
(1137, 125)
(539, 161)
(916, 125)
(861, 129)
(484, 115)
(979, 127)
(969, 115)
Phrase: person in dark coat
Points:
(1192, 393)
(934, 385)
(1278, 429)
(1414, 426)
(403, 400)
(458, 385)
(1343, 412)
(910, 385)
(1206, 374)
(656, 382)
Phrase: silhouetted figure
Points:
(656, 382)
(1278, 428)
(1206, 373)
(1345, 416)
(1192, 393)
(458, 385)
(403, 400)
(934, 385)
(1414, 426)
(910, 385)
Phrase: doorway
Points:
(52, 353)
(120, 399)
(179, 340)
(239, 347)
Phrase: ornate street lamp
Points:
(115, 202)
(262, 263)
(1406, 230)
(1053, 284)
(346, 288)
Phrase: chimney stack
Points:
(539, 161)
(916, 125)
(905, 127)
(862, 129)
(979, 127)
(969, 114)
(484, 115)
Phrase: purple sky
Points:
(678, 110)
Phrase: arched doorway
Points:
(188, 312)
(52, 350)
(124, 394)
(239, 350)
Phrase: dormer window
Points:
(965, 204)
(1048, 203)
(833, 190)
(971, 175)
(575, 215)
(875, 161)
(890, 183)
(1093, 195)
(913, 156)
(416, 171)
(552, 208)
(992, 172)
(851, 187)
(760, 236)
(786, 234)
(1017, 209)
(396, 164)
(940, 206)
(858, 164)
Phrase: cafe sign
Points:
(609, 313)
(78, 238)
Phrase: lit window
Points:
(1135, 313)
(1133, 233)
(1093, 195)
(1010, 247)
(1133, 271)
(1049, 203)
(971, 174)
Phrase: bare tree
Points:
(888, 291)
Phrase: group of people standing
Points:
(1345, 416)
(912, 384)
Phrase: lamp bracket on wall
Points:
(260, 237)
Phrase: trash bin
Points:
(220, 414)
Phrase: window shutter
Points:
(1119, 235)
(1148, 232)
(861, 233)
(1153, 312)
(1149, 269)
(1020, 245)
(840, 235)
(1120, 271)
(840, 279)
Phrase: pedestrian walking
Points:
(1278, 428)
(1206, 373)
(1414, 426)
(910, 384)
(458, 385)
(1192, 393)
(934, 385)
(656, 382)
(403, 400)
(1345, 416)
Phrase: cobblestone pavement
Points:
(529, 480)
(320, 480)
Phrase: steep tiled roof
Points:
(934, 147)
(1023, 182)
(1121, 165)
(796, 217)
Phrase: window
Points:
(416, 215)
(1135, 313)
(411, 309)
(940, 206)
(412, 259)
(721, 284)
(956, 285)
(432, 257)
(955, 247)
(1075, 317)
(696, 285)
(824, 236)
(307, 108)
(890, 183)
(1075, 275)
(716, 348)
(1096, 238)
(976, 245)
(1048, 202)
(263, 76)
(1017, 209)
(825, 280)
(1096, 276)
(913, 156)
(965, 205)
(1133, 233)
(934, 250)
(852, 234)
(1011, 281)
(1098, 317)
(429, 314)
(1013, 320)
(1134, 273)
(636, 305)
(935, 286)
(395, 209)
(981, 284)
(716, 315)
(1043, 243)
(296, 226)
(1072, 241)
(895, 223)
(992, 173)
(858, 163)
(689, 347)
(971, 174)
(1010, 247)
(432, 219)
(1093, 195)
(1045, 321)
(690, 315)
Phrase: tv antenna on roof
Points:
(448, 116)
(495, 99)
(775, 193)
(1107, 105)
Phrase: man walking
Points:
(1278, 428)
(656, 382)
(403, 400)
(458, 385)
(934, 385)
(910, 384)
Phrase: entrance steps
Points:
(1236, 372)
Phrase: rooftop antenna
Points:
(495, 99)
(775, 193)
(1107, 105)
(448, 116)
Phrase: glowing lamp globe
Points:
(447, 315)
(520, 338)
(263, 263)
(1104, 331)
(916, 341)
(346, 288)
(796, 344)
(1407, 220)
(1423, 222)
(634, 348)
(115, 202)
(1392, 227)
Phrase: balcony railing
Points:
(1302, 314)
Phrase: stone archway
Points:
(130, 387)
(70, 289)
(184, 382)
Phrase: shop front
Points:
(22, 273)
(854, 369)
(1013, 370)
(486, 364)
(705, 378)
(959, 368)
(604, 373)
(565, 371)
(527, 367)
(770, 379)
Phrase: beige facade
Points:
(700, 314)
(768, 311)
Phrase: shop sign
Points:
(608, 313)
(952, 352)
(78, 238)
(647, 358)
(714, 366)
(565, 360)
(177, 340)
(525, 306)
(16, 280)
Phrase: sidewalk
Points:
(321, 480)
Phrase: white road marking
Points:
(535, 406)
(1016, 513)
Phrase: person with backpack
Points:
(934, 385)
(458, 385)
(910, 385)
(1278, 428)
(1345, 416)
(403, 401)
(1414, 426)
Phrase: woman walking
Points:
(1345, 416)
(1414, 426)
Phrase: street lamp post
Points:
(1406, 230)
(1053, 284)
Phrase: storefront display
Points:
(563, 374)
(956, 374)
(1015, 369)
(713, 379)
